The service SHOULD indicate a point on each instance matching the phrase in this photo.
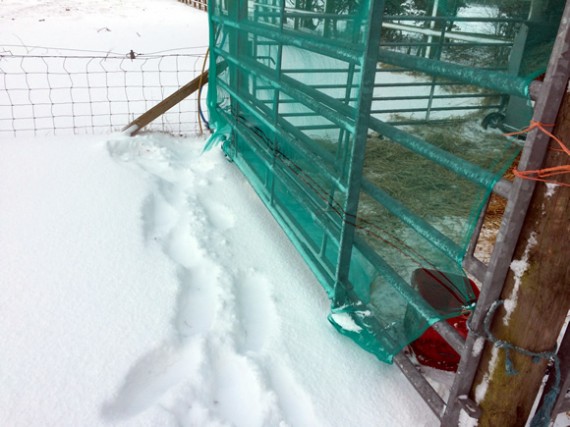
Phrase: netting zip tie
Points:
(541, 174)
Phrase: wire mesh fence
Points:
(47, 91)
(198, 4)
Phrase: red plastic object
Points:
(438, 289)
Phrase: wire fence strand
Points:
(198, 4)
(59, 91)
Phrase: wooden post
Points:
(538, 298)
(166, 104)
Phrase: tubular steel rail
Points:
(430, 47)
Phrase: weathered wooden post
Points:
(536, 298)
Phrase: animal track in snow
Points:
(151, 377)
(235, 375)
(255, 311)
(196, 302)
(158, 218)
(294, 402)
(207, 373)
(183, 247)
(219, 215)
(172, 192)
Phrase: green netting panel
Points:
(372, 131)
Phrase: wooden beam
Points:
(162, 107)
(538, 298)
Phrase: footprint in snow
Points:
(158, 218)
(256, 311)
(238, 391)
(294, 402)
(151, 377)
(196, 303)
(219, 215)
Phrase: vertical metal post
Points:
(329, 23)
(274, 20)
(518, 110)
(276, 99)
(237, 12)
(434, 78)
(432, 26)
(356, 155)
(343, 135)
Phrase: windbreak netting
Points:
(373, 132)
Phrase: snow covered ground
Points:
(69, 67)
(144, 284)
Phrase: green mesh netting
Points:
(372, 130)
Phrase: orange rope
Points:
(540, 174)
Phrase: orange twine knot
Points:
(541, 174)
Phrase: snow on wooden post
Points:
(536, 298)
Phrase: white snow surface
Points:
(145, 284)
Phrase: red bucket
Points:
(440, 290)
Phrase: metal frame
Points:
(354, 173)
(444, 39)
(358, 119)
(548, 99)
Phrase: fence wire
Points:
(81, 92)
(198, 4)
